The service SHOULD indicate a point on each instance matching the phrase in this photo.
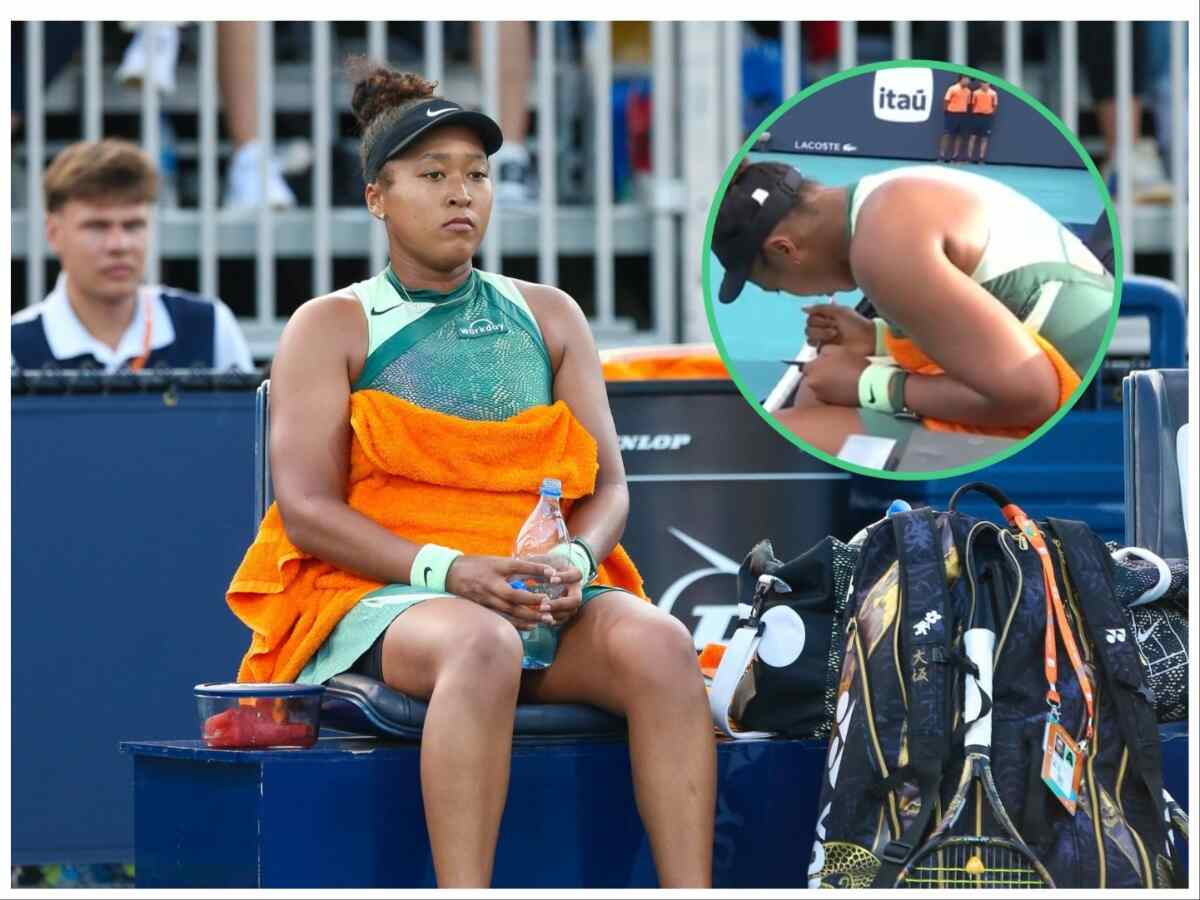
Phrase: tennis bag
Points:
(780, 670)
(896, 748)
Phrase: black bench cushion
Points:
(363, 705)
(1156, 405)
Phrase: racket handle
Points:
(979, 644)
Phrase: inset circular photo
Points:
(910, 269)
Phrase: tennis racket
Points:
(787, 384)
(1000, 860)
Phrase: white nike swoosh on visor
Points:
(437, 112)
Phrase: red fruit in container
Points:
(259, 716)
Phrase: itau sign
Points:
(903, 95)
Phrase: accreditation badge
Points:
(1062, 765)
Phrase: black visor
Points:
(423, 117)
(751, 208)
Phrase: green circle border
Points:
(748, 145)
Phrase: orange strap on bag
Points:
(1054, 612)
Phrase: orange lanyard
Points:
(1054, 611)
(138, 363)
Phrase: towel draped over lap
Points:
(911, 358)
(429, 478)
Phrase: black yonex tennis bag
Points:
(896, 748)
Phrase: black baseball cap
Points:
(759, 196)
(424, 117)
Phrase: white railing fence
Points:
(694, 70)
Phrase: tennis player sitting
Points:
(990, 311)
(413, 418)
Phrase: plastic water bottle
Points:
(543, 532)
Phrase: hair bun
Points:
(378, 88)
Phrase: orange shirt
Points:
(957, 98)
(983, 102)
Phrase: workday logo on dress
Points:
(481, 328)
(903, 95)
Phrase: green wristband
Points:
(881, 329)
(582, 549)
(874, 387)
(580, 557)
(430, 566)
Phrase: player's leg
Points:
(631, 658)
(466, 660)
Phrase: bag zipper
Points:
(896, 637)
(1016, 599)
(1121, 778)
(866, 690)
(1094, 750)
(1124, 767)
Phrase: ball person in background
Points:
(984, 102)
(955, 106)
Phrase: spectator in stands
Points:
(984, 101)
(512, 165)
(956, 103)
(155, 49)
(98, 197)
(1097, 45)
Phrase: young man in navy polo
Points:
(98, 201)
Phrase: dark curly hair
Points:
(381, 96)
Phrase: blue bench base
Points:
(347, 813)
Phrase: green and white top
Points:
(476, 352)
(1032, 264)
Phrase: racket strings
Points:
(972, 865)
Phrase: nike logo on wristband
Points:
(380, 312)
(871, 394)
(425, 577)
(437, 112)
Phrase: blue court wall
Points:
(897, 113)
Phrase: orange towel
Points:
(909, 356)
(710, 659)
(430, 477)
(669, 362)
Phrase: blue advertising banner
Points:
(898, 113)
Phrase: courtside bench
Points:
(348, 813)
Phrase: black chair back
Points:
(1155, 407)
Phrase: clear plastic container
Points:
(257, 716)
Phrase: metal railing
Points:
(693, 66)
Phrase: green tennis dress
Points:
(476, 353)
(1037, 268)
